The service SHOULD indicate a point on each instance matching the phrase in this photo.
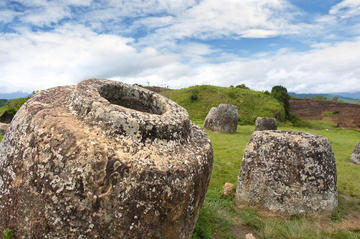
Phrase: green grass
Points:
(198, 100)
(13, 105)
(219, 217)
(7, 234)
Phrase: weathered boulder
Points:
(355, 156)
(263, 123)
(288, 172)
(102, 159)
(223, 118)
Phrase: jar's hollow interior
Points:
(131, 98)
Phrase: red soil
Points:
(348, 115)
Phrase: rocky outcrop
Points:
(223, 119)
(102, 159)
(263, 123)
(355, 156)
(288, 172)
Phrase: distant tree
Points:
(242, 86)
(281, 94)
(266, 92)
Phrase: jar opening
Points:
(131, 98)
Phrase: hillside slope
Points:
(198, 100)
(345, 115)
(341, 97)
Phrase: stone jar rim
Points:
(129, 110)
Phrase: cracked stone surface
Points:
(223, 119)
(263, 123)
(102, 159)
(288, 172)
(355, 156)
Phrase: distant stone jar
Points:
(223, 119)
(102, 159)
(355, 156)
(263, 123)
(288, 172)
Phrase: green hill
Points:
(198, 100)
(3, 102)
(8, 110)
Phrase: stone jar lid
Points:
(129, 110)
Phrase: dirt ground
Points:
(345, 115)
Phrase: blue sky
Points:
(306, 46)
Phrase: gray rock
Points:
(223, 118)
(288, 172)
(102, 159)
(263, 123)
(355, 156)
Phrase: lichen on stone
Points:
(288, 172)
(102, 159)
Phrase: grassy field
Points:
(219, 218)
(198, 100)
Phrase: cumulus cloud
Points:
(138, 42)
(346, 9)
(318, 71)
(248, 19)
(33, 61)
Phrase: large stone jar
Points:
(288, 172)
(102, 159)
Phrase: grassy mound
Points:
(198, 100)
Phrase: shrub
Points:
(242, 86)
(7, 234)
(194, 97)
(280, 93)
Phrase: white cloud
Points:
(328, 68)
(248, 18)
(7, 16)
(346, 9)
(33, 61)
(46, 16)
